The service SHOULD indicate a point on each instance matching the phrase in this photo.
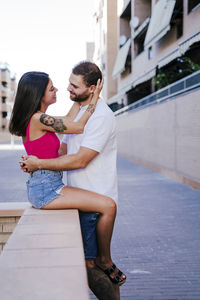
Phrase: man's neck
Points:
(86, 102)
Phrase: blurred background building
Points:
(148, 51)
(7, 90)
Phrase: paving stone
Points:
(156, 239)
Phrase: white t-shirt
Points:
(100, 175)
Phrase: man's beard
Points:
(80, 98)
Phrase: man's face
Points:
(79, 92)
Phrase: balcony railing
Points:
(181, 86)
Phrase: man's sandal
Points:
(117, 278)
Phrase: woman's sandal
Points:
(117, 278)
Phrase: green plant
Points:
(183, 67)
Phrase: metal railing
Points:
(181, 86)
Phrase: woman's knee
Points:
(111, 205)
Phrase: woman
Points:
(45, 188)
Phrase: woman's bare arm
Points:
(64, 124)
(73, 112)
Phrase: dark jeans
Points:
(88, 223)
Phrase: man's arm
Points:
(63, 163)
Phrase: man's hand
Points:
(29, 163)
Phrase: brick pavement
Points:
(157, 235)
(156, 239)
(12, 179)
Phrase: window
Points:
(123, 60)
(4, 114)
(3, 99)
(126, 14)
(139, 37)
(139, 43)
(114, 106)
(177, 18)
(139, 92)
(166, 13)
(4, 83)
(125, 42)
(128, 63)
(193, 4)
(125, 30)
(149, 53)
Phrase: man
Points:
(91, 165)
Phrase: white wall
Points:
(165, 136)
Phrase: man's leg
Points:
(100, 284)
(98, 281)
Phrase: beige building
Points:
(106, 46)
(152, 48)
(7, 89)
(140, 39)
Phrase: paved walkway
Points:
(157, 235)
(156, 241)
(12, 179)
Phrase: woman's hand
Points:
(29, 164)
(99, 87)
(95, 97)
(73, 112)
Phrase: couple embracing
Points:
(88, 154)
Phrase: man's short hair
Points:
(90, 72)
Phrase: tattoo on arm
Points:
(56, 124)
(90, 108)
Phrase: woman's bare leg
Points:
(91, 202)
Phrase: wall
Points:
(7, 225)
(111, 47)
(191, 20)
(10, 213)
(165, 137)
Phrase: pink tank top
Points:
(46, 146)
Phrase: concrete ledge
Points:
(43, 258)
(13, 209)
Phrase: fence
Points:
(179, 87)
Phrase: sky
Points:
(48, 36)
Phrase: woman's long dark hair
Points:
(30, 90)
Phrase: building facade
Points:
(156, 80)
(105, 44)
(140, 40)
(7, 90)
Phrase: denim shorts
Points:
(43, 186)
(88, 223)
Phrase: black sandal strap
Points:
(110, 270)
(117, 277)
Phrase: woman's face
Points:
(48, 120)
(49, 95)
